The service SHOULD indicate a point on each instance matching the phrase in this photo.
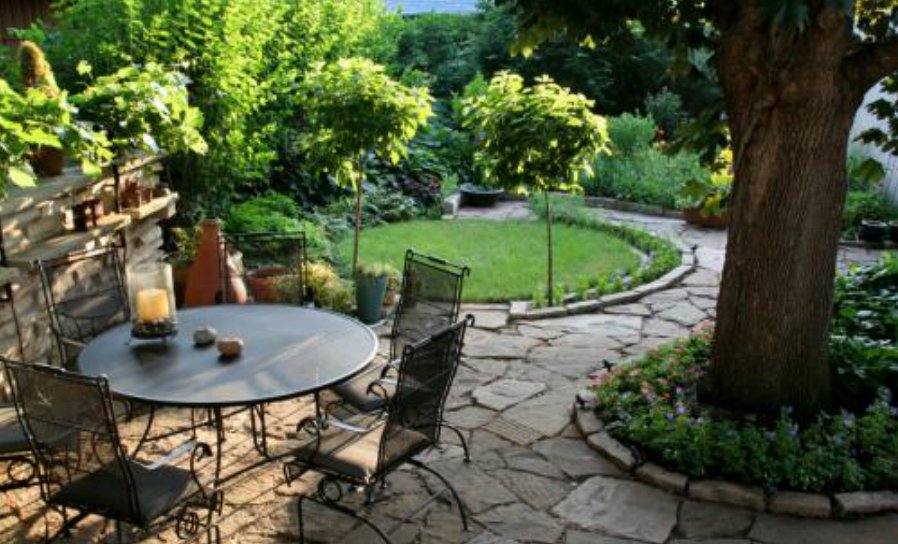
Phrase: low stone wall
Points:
(33, 227)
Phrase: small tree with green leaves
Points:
(354, 109)
(537, 138)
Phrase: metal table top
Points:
(289, 351)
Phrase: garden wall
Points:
(33, 223)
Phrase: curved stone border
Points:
(521, 310)
(629, 206)
(807, 505)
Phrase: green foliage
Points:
(376, 270)
(630, 133)
(653, 403)
(866, 198)
(270, 213)
(860, 205)
(143, 107)
(864, 346)
(439, 45)
(651, 176)
(35, 119)
(533, 138)
(354, 108)
(709, 194)
(329, 290)
(666, 108)
(244, 59)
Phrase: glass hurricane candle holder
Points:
(152, 295)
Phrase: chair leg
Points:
(461, 437)
(302, 532)
(461, 505)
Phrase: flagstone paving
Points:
(532, 477)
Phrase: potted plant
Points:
(704, 200)
(187, 242)
(370, 288)
(37, 74)
(31, 120)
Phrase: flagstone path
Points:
(532, 478)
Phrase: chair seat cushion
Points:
(351, 454)
(355, 391)
(105, 492)
(12, 438)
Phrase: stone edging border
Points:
(806, 505)
(520, 309)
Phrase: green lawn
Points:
(507, 258)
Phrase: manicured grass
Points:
(507, 258)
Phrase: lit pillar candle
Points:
(152, 305)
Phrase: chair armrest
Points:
(178, 452)
(346, 426)
(71, 342)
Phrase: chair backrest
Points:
(69, 422)
(273, 265)
(85, 295)
(429, 300)
(415, 411)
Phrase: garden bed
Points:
(833, 464)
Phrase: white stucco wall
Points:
(862, 122)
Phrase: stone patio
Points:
(532, 478)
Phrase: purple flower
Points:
(837, 440)
(680, 409)
(669, 416)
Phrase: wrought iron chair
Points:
(14, 451)
(365, 449)
(79, 310)
(82, 465)
(272, 264)
(430, 299)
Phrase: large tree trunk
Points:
(790, 110)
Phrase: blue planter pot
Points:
(369, 297)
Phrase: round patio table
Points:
(289, 351)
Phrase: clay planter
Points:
(874, 232)
(694, 216)
(390, 298)
(47, 161)
(264, 283)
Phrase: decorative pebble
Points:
(204, 336)
(230, 347)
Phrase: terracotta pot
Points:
(695, 216)
(204, 284)
(180, 275)
(47, 161)
(264, 283)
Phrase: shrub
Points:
(649, 177)
(630, 133)
(866, 204)
(270, 213)
(666, 108)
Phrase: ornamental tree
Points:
(537, 138)
(353, 109)
(792, 75)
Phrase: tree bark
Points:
(790, 110)
(549, 264)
